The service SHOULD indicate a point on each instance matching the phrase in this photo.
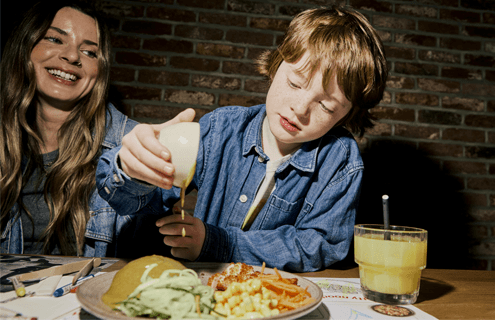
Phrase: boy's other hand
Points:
(143, 157)
(186, 236)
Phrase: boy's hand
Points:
(143, 157)
(185, 247)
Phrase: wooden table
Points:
(445, 294)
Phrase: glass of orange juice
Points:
(390, 262)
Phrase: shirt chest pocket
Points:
(278, 212)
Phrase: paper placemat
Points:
(39, 307)
(344, 300)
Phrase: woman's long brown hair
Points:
(71, 179)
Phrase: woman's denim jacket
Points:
(107, 234)
(307, 222)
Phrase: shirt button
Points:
(260, 159)
(243, 198)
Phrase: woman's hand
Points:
(143, 157)
(186, 237)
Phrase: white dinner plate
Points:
(91, 291)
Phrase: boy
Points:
(277, 183)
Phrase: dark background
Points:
(11, 12)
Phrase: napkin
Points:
(47, 287)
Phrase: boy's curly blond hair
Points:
(340, 41)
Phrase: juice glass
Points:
(390, 262)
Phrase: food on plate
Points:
(256, 294)
(176, 294)
(128, 278)
(163, 288)
(247, 300)
(160, 287)
(235, 272)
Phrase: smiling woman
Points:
(55, 123)
(65, 59)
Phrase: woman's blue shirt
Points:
(107, 234)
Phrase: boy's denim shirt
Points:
(307, 222)
(107, 234)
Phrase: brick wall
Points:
(433, 147)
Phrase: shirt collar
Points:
(252, 139)
(303, 159)
(115, 124)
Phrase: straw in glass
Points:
(386, 220)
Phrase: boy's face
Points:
(299, 111)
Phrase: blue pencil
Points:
(68, 287)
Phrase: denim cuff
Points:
(216, 246)
(125, 195)
(113, 177)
